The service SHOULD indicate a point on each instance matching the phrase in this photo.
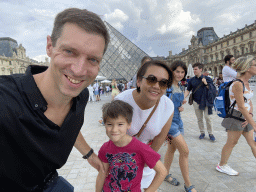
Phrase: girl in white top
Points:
(152, 80)
(246, 66)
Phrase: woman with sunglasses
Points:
(152, 80)
(175, 138)
(239, 92)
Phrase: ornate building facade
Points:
(13, 57)
(209, 49)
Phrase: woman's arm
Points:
(160, 138)
(237, 89)
(101, 178)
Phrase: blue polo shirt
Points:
(192, 85)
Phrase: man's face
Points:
(232, 60)
(220, 76)
(75, 60)
(197, 71)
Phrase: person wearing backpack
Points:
(239, 92)
(203, 94)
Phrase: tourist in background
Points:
(204, 93)
(242, 94)
(219, 80)
(115, 90)
(91, 95)
(96, 91)
(107, 90)
(228, 72)
(176, 132)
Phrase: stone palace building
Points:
(209, 49)
(13, 57)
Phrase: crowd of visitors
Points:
(42, 112)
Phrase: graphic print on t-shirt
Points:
(123, 168)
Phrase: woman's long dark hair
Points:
(181, 64)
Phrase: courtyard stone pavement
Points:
(203, 157)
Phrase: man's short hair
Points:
(199, 65)
(227, 58)
(85, 19)
(117, 108)
(145, 58)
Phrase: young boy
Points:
(125, 156)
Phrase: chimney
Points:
(170, 53)
(183, 49)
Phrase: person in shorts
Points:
(123, 155)
(176, 132)
(241, 94)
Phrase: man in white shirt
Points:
(228, 72)
(91, 98)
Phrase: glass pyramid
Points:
(122, 58)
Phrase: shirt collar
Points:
(33, 93)
(199, 77)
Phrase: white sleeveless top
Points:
(160, 117)
(154, 126)
(247, 94)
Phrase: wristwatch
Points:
(88, 154)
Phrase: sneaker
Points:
(212, 138)
(226, 169)
(202, 136)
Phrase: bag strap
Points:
(233, 105)
(197, 87)
(150, 115)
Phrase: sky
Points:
(156, 26)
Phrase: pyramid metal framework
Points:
(122, 58)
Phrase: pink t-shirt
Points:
(126, 164)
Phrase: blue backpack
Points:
(222, 101)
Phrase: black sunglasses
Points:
(152, 80)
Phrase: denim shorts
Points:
(96, 92)
(176, 128)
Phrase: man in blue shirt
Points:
(202, 99)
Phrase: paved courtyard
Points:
(203, 158)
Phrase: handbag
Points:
(145, 123)
(190, 100)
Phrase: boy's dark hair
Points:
(117, 108)
(227, 58)
(181, 64)
(143, 70)
(85, 19)
(199, 65)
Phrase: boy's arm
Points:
(101, 178)
(161, 173)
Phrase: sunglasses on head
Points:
(152, 80)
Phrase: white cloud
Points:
(229, 18)
(40, 58)
(116, 18)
